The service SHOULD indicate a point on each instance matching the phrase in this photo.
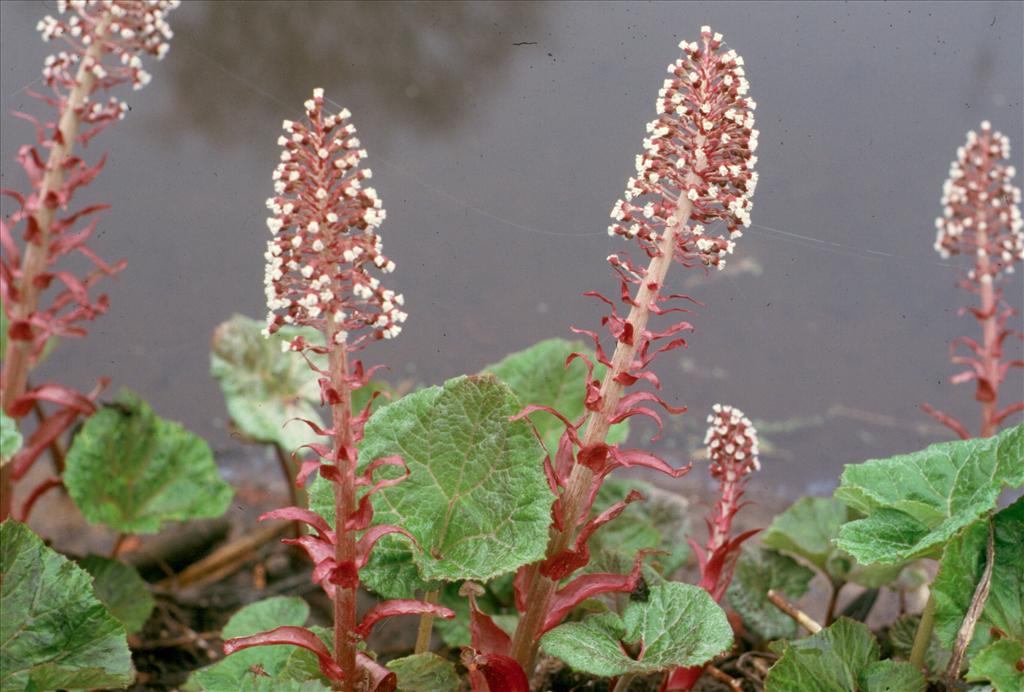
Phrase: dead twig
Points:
(226, 560)
(966, 631)
(801, 618)
(724, 677)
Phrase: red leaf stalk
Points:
(320, 271)
(697, 165)
(104, 44)
(981, 219)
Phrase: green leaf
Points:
(476, 500)
(917, 502)
(10, 438)
(425, 672)
(131, 470)
(899, 640)
(961, 567)
(841, 658)
(757, 571)
(1000, 662)
(892, 676)
(264, 388)
(538, 376)
(660, 522)
(120, 588)
(54, 633)
(678, 625)
(809, 528)
(261, 667)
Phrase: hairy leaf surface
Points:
(962, 565)
(843, 657)
(917, 502)
(476, 500)
(54, 633)
(809, 528)
(678, 625)
(757, 571)
(131, 470)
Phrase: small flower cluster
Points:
(324, 222)
(123, 29)
(732, 444)
(981, 207)
(701, 148)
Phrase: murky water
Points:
(501, 134)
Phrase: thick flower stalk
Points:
(697, 164)
(322, 261)
(104, 46)
(981, 219)
(731, 442)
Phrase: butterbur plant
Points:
(981, 219)
(320, 273)
(696, 169)
(731, 442)
(104, 46)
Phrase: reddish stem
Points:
(524, 643)
(18, 361)
(344, 506)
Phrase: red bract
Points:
(104, 45)
(697, 163)
(320, 273)
(981, 219)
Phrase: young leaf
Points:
(10, 438)
(809, 528)
(476, 500)
(962, 564)
(258, 668)
(917, 502)
(1001, 663)
(678, 625)
(426, 672)
(120, 588)
(131, 470)
(899, 640)
(660, 523)
(54, 633)
(264, 389)
(757, 571)
(841, 658)
(538, 375)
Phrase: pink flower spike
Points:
(325, 250)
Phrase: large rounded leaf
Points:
(476, 500)
(679, 625)
(54, 633)
(915, 503)
(131, 470)
(265, 388)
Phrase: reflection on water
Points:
(421, 61)
(498, 164)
